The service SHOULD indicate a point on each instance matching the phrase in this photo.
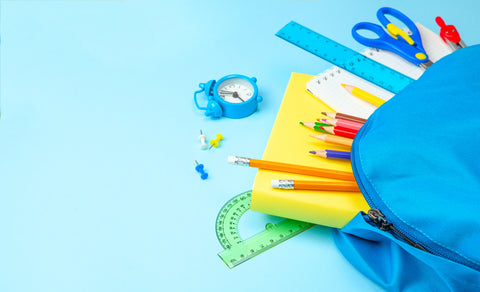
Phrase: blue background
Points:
(98, 138)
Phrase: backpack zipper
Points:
(375, 215)
(377, 218)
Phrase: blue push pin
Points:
(199, 169)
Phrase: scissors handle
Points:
(396, 40)
(370, 42)
(397, 32)
(385, 41)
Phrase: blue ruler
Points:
(344, 57)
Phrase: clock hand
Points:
(225, 91)
(235, 94)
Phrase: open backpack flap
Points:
(416, 163)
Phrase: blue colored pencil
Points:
(332, 154)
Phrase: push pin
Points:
(215, 142)
(199, 169)
(202, 138)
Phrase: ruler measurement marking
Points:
(344, 57)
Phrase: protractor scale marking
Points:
(238, 250)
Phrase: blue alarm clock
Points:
(233, 96)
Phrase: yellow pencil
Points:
(364, 95)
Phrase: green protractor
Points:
(237, 250)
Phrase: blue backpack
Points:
(416, 163)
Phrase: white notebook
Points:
(327, 85)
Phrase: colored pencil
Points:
(360, 93)
(334, 139)
(288, 184)
(345, 124)
(314, 126)
(332, 154)
(344, 117)
(291, 168)
(339, 132)
(319, 124)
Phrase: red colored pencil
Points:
(339, 132)
(345, 124)
(344, 117)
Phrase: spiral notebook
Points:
(326, 86)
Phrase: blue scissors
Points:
(395, 39)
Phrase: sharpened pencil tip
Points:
(343, 84)
(312, 152)
(301, 123)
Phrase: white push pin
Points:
(202, 138)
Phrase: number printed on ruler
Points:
(344, 57)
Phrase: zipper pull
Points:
(379, 219)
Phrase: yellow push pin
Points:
(215, 142)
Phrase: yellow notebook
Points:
(290, 142)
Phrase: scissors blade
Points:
(426, 64)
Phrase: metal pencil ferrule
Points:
(286, 184)
(243, 161)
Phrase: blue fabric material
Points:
(416, 160)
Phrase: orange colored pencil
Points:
(292, 168)
(312, 185)
(334, 139)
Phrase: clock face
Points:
(235, 90)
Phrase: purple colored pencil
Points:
(332, 154)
